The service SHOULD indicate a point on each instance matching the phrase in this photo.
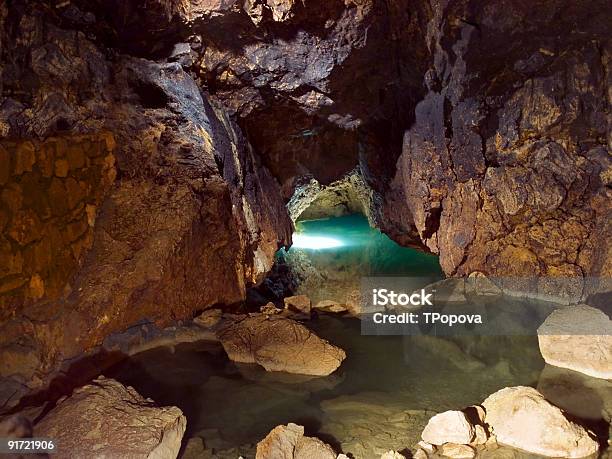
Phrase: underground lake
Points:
(383, 394)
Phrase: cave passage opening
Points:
(330, 255)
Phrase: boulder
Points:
(448, 427)
(520, 417)
(298, 303)
(289, 442)
(579, 338)
(106, 419)
(280, 344)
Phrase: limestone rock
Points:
(520, 417)
(289, 442)
(480, 435)
(330, 306)
(280, 344)
(209, 318)
(579, 338)
(298, 303)
(448, 427)
(456, 451)
(106, 419)
(577, 394)
(270, 309)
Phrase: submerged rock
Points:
(299, 303)
(371, 423)
(520, 417)
(579, 338)
(106, 419)
(280, 344)
(582, 396)
(289, 442)
(392, 455)
(448, 427)
(330, 306)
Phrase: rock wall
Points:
(482, 129)
(158, 207)
(50, 193)
(506, 169)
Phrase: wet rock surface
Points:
(280, 344)
(106, 419)
(520, 417)
(157, 205)
(578, 338)
(289, 442)
(496, 170)
(180, 129)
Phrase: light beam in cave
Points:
(301, 241)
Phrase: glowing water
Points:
(302, 241)
(330, 257)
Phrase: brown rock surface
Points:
(289, 442)
(129, 198)
(280, 344)
(105, 419)
(135, 135)
(497, 171)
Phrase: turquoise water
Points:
(371, 252)
(340, 251)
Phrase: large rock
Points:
(280, 344)
(106, 419)
(118, 195)
(578, 338)
(448, 427)
(289, 442)
(520, 417)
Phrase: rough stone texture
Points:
(456, 451)
(579, 338)
(520, 417)
(280, 344)
(105, 419)
(189, 219)
(448, 427)
(289, 442)
(349, 195)
(298, 303)
(506, 168)
(576, 393)
(49, 207)
(369, 424)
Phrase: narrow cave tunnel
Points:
(324, 229)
